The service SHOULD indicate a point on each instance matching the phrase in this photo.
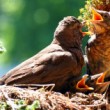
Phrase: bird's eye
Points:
(106, 16)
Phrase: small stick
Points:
(46, 86)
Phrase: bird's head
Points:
(100, 21)
(69, 31)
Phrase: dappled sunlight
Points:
(12, 6)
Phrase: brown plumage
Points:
(58, 63)
(98, 47)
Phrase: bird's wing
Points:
(43, 68)
(29, 61)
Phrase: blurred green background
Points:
(27, 26)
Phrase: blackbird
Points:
(58, 63)
(98, 46)
(98, 49)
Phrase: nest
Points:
(15, 98)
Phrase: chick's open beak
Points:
(81, 84)
(85, 33)
(96, 16)
(100, 80)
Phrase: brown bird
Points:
(98, 52)
(98, 46)
(58, 63)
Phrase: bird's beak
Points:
(100, 80)
(86, 33)
(82, 86)
(96, 16)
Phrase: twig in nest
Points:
(105, 94)
(96, 105)
(45, 86)
(9, 101)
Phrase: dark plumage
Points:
(58, 63)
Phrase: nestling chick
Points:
(98, 47)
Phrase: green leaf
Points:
(35, 105)
(3, 106)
